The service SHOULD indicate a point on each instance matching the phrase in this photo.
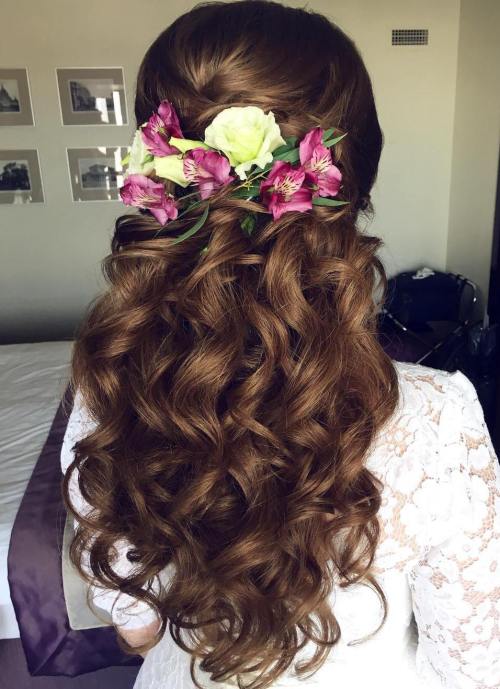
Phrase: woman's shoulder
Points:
(431, 381)
(438, 382)
(425, 390)
(431, 402)
(421, 458)
(413, 448)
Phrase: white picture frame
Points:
(92, 96)
(96, 173)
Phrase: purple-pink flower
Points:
(159, 128)
(316, 160)
(283, 189)
(143, 192)
(208, 169)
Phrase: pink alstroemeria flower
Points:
(208, 169)
(316, 160)
(282, 190)
(159, 128)
(143, 192)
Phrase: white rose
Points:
(139, 161)
(246, 135)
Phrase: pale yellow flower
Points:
(171, 167)
(246, 135)
(139, 161)
(186, 144)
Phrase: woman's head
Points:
(238, 391)
(291, 61)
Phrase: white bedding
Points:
(33, 378)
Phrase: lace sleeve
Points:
(455, 586)
(124, 610)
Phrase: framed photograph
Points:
(20, 178)
(96, 173)
(94, 95)
(15, 101)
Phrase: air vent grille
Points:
(410, 36)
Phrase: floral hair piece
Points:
(293, 175)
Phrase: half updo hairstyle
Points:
(236, 392)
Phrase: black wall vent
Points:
(410, 36)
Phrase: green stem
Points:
(248, 182)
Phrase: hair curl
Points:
(238, 391)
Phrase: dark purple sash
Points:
(35, 575)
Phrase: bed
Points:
(42, 599)
(33, 379)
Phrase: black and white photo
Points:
(9, 96)
(96, 174)
(14, 176)
(20, 179)
(15, 100)
(92, 96)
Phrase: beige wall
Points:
(476, 143)
(415, 95)
(51, 252)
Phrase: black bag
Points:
(427, 318)
(415, 298)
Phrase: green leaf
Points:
(324, 201)
(246, 192)
(282, 152)
(291, 142)
(248, 223)
(327, 133)
(188, 208)
(266, 168)
(199, 223)
(290, 156)
(331, 142)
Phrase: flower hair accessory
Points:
(292, 175)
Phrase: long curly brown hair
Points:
(237, 391)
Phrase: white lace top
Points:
(438, 559)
